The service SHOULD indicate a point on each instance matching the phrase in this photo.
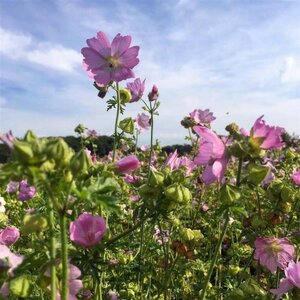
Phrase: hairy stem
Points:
(116, 122)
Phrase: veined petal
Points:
(120, 44)
(92, 59)
(129, 57)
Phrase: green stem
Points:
(214, 259)
(238, 177)
(151, 139)
(118, 237)
(64, 257)
(291, 215)
(136, 141)
(116, 122)
(52, 250)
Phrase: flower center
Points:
(273, 249)
(112, 62)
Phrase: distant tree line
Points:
(104, 144)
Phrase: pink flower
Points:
(91, 133)
(212, 152)
(8, 138)
(12, 186)
(137, 89)
(113, 295)
(142, 122)
(128, 164)
(202, 117)
(292, 274)
(268, 137)
(296, 177)
(153, 95)
(174, 162)
(9, 235)
(244, 132)
(107, 61)
(14, 259)
(273, 252)
(161, 236)
(132, 178)
(26, 191)
(87, 230)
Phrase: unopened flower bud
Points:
(127, 125)
(153, 95)
(156, 178)
(23, 151)
(178, 193)
(229, 194)
(80, 163)
(21, 286)
(125, 96)
(34, 223)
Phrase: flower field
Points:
(220, 222)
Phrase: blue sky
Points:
(240, 59)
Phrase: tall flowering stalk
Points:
(116, 122)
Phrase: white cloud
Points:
(291, 70)
(22, 46)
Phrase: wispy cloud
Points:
(22, 46)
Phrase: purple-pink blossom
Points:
(9, 235)
(174, 162)
(153, 95)
(202, 117)
(106, 62)
(296, 177)
(14, 259)
(292, 279)
(8, 138)
(12, 186)
(87, 230)
(142, 122)
(274, 252)
(91, 133)
(212, 153)
(26, 191)
(266, 136)
(127, 165)
(136, 89)
(161, 236)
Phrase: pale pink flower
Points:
(14, 259)
(296, 177)
(8, 138)
(161, 236)
(26, 191)
(202, 117)
(106, 62)
(292, 274)
(142, 122)
(12, 186)
(113, 295)
(244, 132)
(136, 89)
(9, 235)
(274, 252)
(132, 178)
(91, 133)
(153, 95)
(212, 153)
(87, 230)
(127, 165)
(268, 137)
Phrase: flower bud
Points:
(127, 125)
(232, 128)
(156, 178)
(20, 286)
(80, 163)
(285, 206)
(188, 234)
(125, 96)
(79, 129)
(188, 122)
(23, 151)
(153, 95)
(229, 194)
(178, 193)
(127, 165)
(59, 151)
(34, 223)
(257, 173)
